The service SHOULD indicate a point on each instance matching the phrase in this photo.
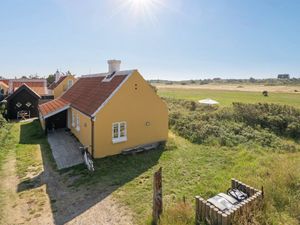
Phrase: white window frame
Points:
(70, 83)
(77, 122)
(119, 138)
(73, 119)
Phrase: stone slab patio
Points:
(65, 149)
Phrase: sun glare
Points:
(142, 9)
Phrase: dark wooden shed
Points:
(24, 99)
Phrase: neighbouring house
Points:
(23, 100)
(3, 87)
(24, 95)
(109, 112)
(61, 84)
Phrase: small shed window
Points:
(119, 133)
(77, 122)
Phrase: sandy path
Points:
(26, 207)
(52, 201)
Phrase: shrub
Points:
(2, 121)
(262, 124)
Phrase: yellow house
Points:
(4, 87)
(110, 112)
(61, 84)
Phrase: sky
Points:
(163, 39)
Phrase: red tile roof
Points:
(53, 106)
(87, 94)
(36, 85)
(55, 84)
(4, 81)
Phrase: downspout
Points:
(92, 132)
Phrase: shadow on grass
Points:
(73, 191)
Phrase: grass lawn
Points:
(188, 170)
(227, 97)
(191, 169)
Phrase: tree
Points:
(50, 79)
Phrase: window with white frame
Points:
(77, 122)
(119, 132)
(73, 119)
(70, 83)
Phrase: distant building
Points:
(61, 84)
(283, 76)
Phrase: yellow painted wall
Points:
(136, 107)
(4, 87)
(63, 86)
(84, 134)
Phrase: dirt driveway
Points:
(48, 196)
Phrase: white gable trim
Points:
(57, 111)
(113, 93)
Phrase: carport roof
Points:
(53, 107)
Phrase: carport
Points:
(65, 147)
(54, 115)
(56, 121)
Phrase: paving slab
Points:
(65, 149)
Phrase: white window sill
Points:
(118, 140)
(78, 129)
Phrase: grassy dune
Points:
(227, 97)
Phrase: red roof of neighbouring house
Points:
(22, 87)
(53, 106)
(38, 86)
(5, 81)
(89, 93)
(55, 84)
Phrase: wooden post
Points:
(224, 219)
(203, 211)
(198, 210)
(157, 196)
(219, 218)
(215, 216)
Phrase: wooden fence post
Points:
(157, 196)
(198, 209)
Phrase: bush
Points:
(2, 121)
(262, 124)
